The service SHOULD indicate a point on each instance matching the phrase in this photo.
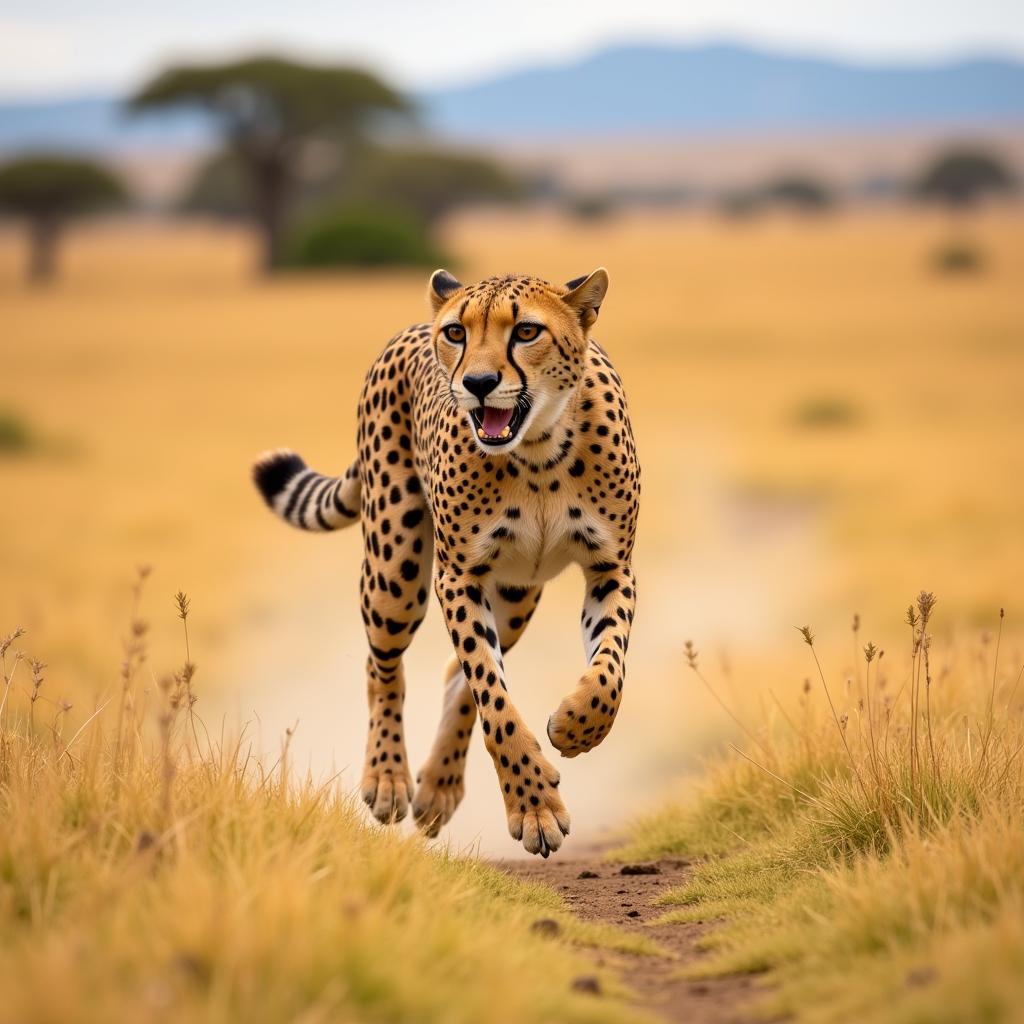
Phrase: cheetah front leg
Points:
(584, 718)
(529, 783)
(440, 783)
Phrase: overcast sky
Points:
(54, 47)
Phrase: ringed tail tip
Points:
(274, 470)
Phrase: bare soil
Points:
(599, 891)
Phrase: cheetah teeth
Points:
(493, 437)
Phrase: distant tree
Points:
(430, 182)
(959, 177)
(47, 191)
(269, 110)
(800, 192)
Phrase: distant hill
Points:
(639, 90)
(655, 90)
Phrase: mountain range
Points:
(653, 91)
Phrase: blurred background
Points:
(214, 215)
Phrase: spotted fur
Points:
(494, 449)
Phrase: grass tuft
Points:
(150, 871)
(874, 848)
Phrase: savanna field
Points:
(827, 425)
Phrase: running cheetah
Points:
(494, 448)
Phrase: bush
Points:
(825, 413)
(15, 436)
(590, 206)
(799, 192)
(362, 236)
(959, 258)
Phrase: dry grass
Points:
(872, 839)
(823, 421)
(167, 365)
(149, 871)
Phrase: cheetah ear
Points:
(442, 287)
(586, 294)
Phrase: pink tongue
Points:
(496, 420)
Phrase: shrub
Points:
(825, 413)
(15, 435)
(799, 192)
(362, 236)
(959, 258)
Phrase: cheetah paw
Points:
(435, 803)
(386, 794)
(582, 720)
(540, 828)
(536, 815)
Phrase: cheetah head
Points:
(513, 350)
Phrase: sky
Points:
(60, 47)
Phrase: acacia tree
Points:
(269, 110)
(959, 177)
(48, 190)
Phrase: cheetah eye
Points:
(526, 332)
(455, 333)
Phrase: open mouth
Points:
(497, 426)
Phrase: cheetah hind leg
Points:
(440, 783)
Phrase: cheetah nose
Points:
(480, 384)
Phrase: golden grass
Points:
(151, 872)
(823, 421)
(872, 839)
(161, 364)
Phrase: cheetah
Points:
(494, 449)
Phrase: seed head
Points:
(925, 604)
(691, 654)
(870, 652)
(9, 639)
(805, 632)
(856, 623)
(182, 602)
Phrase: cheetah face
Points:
(512, 349)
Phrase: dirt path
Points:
(599, 891)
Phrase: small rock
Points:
(546, 926)
(640, 869)
(920, 977)
(587, 983)
(700, 989)
(588, 874)
(145, 841)
(633, 913)
(193, 966)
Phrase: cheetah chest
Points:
(537, 545)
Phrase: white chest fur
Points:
(539, 542)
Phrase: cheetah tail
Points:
(304, 498)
